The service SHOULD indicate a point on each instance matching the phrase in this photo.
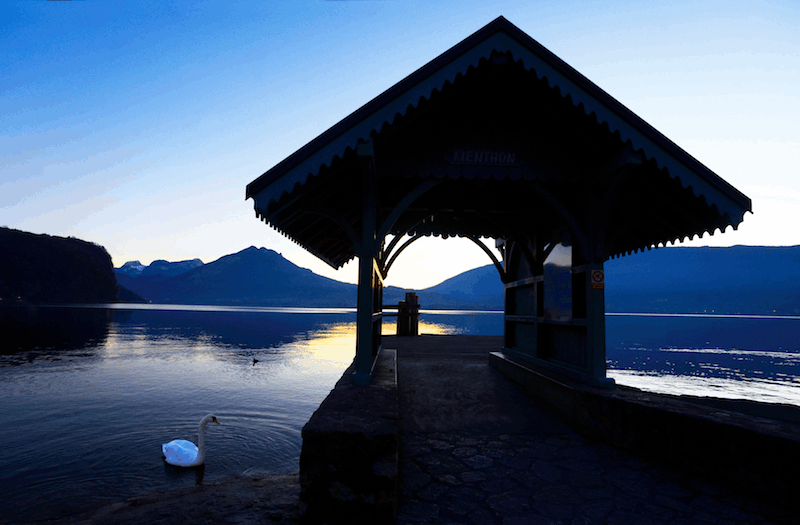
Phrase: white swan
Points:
(182, 453)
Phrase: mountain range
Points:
(251, 277)
(735, 280)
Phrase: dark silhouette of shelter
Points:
(498, 138)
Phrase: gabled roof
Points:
(502, 36)
(498, 37)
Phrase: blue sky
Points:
(137, 125)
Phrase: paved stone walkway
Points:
(474, 449)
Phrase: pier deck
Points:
(476, 449)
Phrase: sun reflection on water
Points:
(425, 328)
(333, 346)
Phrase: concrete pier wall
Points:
(749, 454)
(349, 459)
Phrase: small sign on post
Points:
(598, 280)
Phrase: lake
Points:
(86, 404)
(736, 357)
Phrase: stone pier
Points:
(348, 463)
(442, 436)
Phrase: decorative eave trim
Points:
(498, 36)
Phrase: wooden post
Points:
(412, 303)
(596, 326)
(364, 329)
(402, 318)
(366, 338)
(408, 315)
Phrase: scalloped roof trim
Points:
(368, 121)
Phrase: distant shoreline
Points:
(347, 310)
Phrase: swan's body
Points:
(182, 453)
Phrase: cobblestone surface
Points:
(474, 449)
(461, 477)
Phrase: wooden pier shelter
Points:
(498, 138)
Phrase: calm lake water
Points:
(736, 357)
(85, 406)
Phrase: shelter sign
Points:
(483, 157)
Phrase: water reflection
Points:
(731, 357)
(239, 328)
(461, 322)
(75, 437)
(183, 473)
(425, 327)
(28, 333)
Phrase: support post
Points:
(412, 300)
(596, 326)
(408, 315)
(364, 326)
(368, 286)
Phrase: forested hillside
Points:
(42, 269)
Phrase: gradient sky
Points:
(137, 125)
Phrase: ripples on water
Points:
(85, 406)
(82, 425)
(735, 357)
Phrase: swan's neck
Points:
(201, 442)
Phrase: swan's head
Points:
(210, 419)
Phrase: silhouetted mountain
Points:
(127, 296)
(480, 288)
(738, 279)
(262, 277)
(170, 269)
(42, 269)
(252, 277)
(735, 280)
(159, 267)
(135, 275)
(132, 268)
(742, 279)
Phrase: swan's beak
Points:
(215, 421)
